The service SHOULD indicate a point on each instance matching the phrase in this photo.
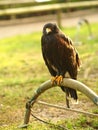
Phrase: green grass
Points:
(22, 70)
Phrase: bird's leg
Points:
(67, 101)
(57, 79)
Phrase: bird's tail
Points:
(70, 93)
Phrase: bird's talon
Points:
(57, 80)
(53, 80)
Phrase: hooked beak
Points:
(48, 30)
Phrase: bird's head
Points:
(50, 28)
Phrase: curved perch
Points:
(82, 88)
(66, 82)
(69, 83)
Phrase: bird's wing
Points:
(69, 42)
(66, 38)
(78, 59)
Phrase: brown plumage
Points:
(60, 56)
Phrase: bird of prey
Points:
(60, 57)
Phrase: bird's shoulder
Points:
(66, 38)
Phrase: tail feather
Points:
(70, 92)
(73, 93)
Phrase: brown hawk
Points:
(60, 57)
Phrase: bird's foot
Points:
(57, 80)
(53, 79)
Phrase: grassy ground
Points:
(22, 70)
